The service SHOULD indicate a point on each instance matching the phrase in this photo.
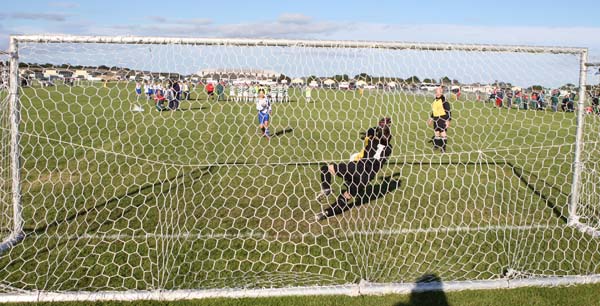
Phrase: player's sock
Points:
(444, 142)
(320, 216)
(340, 205)
(262, 130)
(437, 143)
(267, 132)
(326, 178)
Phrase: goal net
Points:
(144, 168)
(5, 177)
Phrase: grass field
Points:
(118, 200)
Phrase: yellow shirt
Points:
(437, 108)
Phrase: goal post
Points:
(136, 168)
(585, 209)
(11, 195)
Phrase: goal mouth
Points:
(138, 165)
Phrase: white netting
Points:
(589, 207)
(119, 196)
(5, 187)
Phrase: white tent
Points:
(329, 82)
(392, 84)
(361, 83)
(297, 81)
(267, 82)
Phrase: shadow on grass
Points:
(428, 291)
(524, 178)
(373, 192)
(282, 132)
(193, 108)
(531, 181)
(144, 189)
(90, 215)
(370, 193)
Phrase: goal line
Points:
(268, 236)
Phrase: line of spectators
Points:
(534, 100)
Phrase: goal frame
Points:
(364, 287)
(17, 233)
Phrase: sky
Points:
(539, 23)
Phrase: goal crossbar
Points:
(297, 43)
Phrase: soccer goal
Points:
(137, 168)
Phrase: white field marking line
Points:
(264, 235)
(460, 229)
(392, 159)
(9, 288)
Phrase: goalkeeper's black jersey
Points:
(374, 156)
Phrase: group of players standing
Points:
(244, 92)
(166, 96)
(363, 166)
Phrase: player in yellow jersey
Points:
(440, 119)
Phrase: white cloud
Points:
(165, 20)
(538, 36)
(278, 30)
(164, 26)
(155, 18)
(299, 26)
(294, 18)
(39, 16)
(63, 4)
(197, 21)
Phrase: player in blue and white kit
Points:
(148, 90)
(138, 89)
(263, 105)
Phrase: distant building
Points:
(65, 73)
(50, 73)
(81, 74)
(237, 73)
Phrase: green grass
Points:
(119, 200)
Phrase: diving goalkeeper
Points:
(358, 172)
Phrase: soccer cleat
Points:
(320, 217)
(323, 194)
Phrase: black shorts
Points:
(347, 170)
(356, 174)
(439, 124)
